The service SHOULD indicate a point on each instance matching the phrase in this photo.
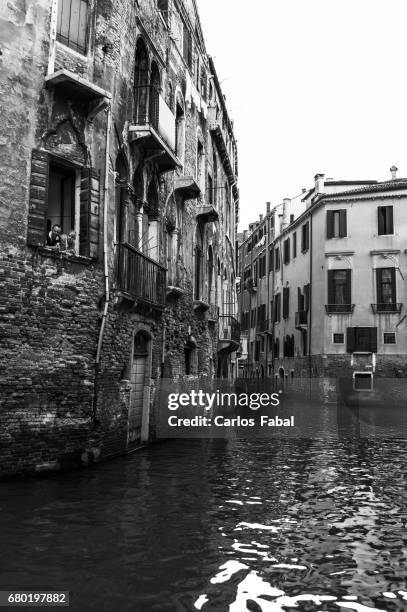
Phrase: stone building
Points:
(322, 283)
(114, 128)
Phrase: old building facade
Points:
(116, 134)
(322, 284)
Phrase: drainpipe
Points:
(105, 262)
(310, 298)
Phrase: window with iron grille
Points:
(339, 338)
(385, 220)
(72, 24)
(389, 338)
(162, 6)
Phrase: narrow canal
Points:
(220, 525)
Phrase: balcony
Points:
(154, 126)
(262, 326)
(229, 333)
(387, 308)
(207, 213)
(73, 85)
(141, 281)
(339, 308)
(187, 187)
(301, 319)
(220, 139)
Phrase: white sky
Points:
(313, 86)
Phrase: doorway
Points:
(138, 396)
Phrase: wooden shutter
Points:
(286, 302)
(379, 292)
(373, 339)
(350, 339)
(89, 213)
(343, 232)
(381, 218)
(306, 297)
(331, 286)
(329, 223)
(38, 198)
(295, 244)
(348, 292)
(389, 220)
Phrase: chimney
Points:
(319, 183)
(393, 171)
(268, 207)
(303, 190)
(261, 218)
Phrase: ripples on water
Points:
(218, 525)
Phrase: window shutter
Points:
(389, 220)
(89, 213)
(393, 285)
(38, 202)
(342, 224)
(348, 287)
(373, 339)
(350, 339)
(379, 292)
(380, 219)
(295, 244)
(329, 223)
(331, 287)
(306, 297)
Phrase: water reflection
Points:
(218, 525)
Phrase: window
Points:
(389, 338)
(294, 245)
(361, 339)
(277, 348)
(277, 308)
(162, 6)
(291, 218)
(305, 237)
(386, 288)
(271, 260)
(363, 381)
(179, 129)
(187, 46)
(72, 23)
(338, 338)
(286, 302)
(336, 224)
(385, 220)
(63, 195)
(339, 291)
(286, 248)
(277, 258)
(210, 192)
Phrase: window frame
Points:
(342, 229)
(394, 334)
(384, 221)
(363, 374)
(338, 334)
(66, 41)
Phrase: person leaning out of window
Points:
(54, 236)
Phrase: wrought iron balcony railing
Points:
(229, 328)
(140, 277)
(387, 307)
(339, 308)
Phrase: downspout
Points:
(105, 260)
(310, 298)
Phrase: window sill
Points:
(64, 255)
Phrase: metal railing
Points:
(140, 277)
(383, 307)
(339, 308)
(229, 328)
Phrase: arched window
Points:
(155, 82)
(141, 84)
(122, 186)
(198, 263)
(150, 234)
(210, 274)
(215, 180)
(180, 127)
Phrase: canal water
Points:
(217, 525)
